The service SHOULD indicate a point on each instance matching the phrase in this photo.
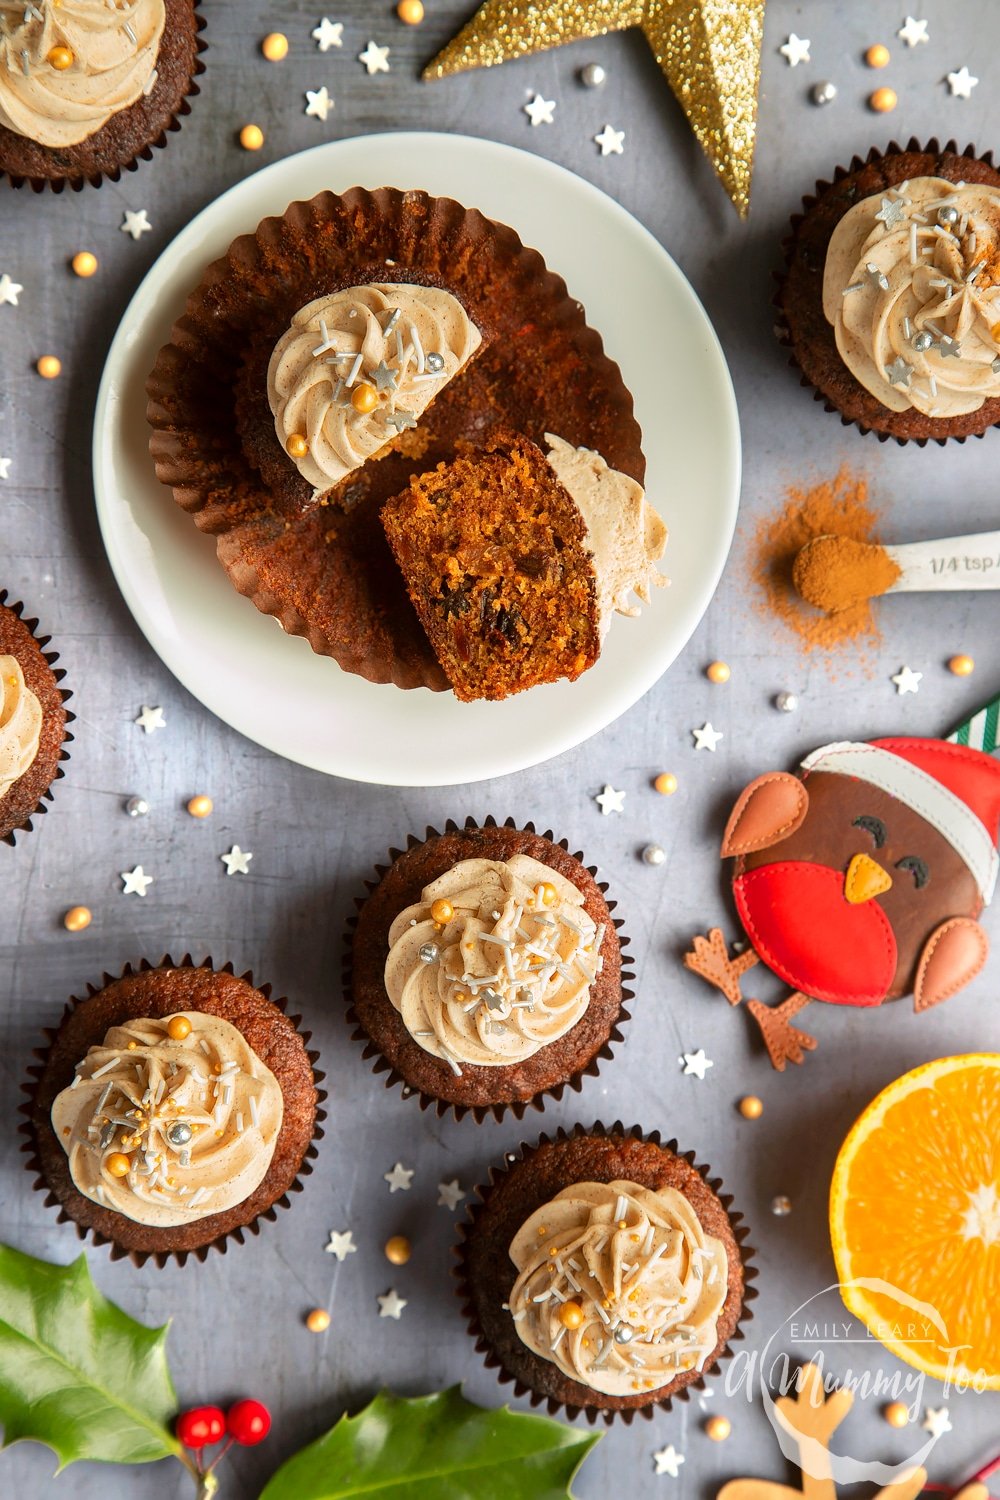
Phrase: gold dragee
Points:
(708, 51)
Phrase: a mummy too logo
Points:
(822, 1359)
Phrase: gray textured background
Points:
(237, 1320)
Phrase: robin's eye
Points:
(874, 826)
(917, 868)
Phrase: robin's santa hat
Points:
(953, 787)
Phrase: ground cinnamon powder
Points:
(835, 572)
(838, 506)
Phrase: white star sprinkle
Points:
(5, 464)
(135, 881)
(375, 58)
(136, 224)
(706, 738)
(341, 1244)
(391, 1305)
(704, 1396)
(906, 681)
(450, 1195)
(236, 861)
(328, 34)
(913, 31)
(150, 719)
(796, 50)
(696, 1064)
(399, 1179)
(610, 801)
(936, 1421)
(610, 141)
(318, 103)
(9, 290)
(668, 1460)
(539, 110)
(962, 83)
(892, 212)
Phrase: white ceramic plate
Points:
(223, 651)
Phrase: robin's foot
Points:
(710, 958)
(784, 1042)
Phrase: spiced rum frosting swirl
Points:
(618, 1285)
(20, 724)
(195, 1120)
(912, 288)
(402, 342)
(68, 66)
(508, 972)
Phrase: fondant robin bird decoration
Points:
(861, 881)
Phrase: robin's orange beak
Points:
(865, 878)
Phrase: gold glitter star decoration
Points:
(708, 50)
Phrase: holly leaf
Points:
(440, 1445)
(76, 1373)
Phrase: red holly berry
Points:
(248, 1422)
(200, 1426)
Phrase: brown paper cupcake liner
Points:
(32, 1150)
(381, 1064)
(325, 570)
(592, 1403)
(883, 423)
(161, 99)
(24, 820)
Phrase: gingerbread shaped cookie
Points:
(860, 881)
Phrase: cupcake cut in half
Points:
(346, 347)
(890, 298)
(173, 1108)
(516, 560)
(33, 720)
(603, 1272)
(485, 969)
(87, 87)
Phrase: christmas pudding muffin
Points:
(33, 720)
(485, 969)
(87, 87)
(173, 1108)
(891, 295)
(602, 1272)
(516, 560)
(344, 347)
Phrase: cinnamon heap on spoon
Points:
(836, 572)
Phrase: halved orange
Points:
(915, 1219)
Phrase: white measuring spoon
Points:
(952, 562)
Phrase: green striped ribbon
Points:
(982, 731)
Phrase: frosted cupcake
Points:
(174, 1107)
(486, 970)
(891, 295)
(87, 87)
(33, 720)
(603, 1272)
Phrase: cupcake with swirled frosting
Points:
(360, 340)
(87, 87)
(175, 1107)
(486, 969)
(34, 720)
(890, 299)
(603, 1271)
